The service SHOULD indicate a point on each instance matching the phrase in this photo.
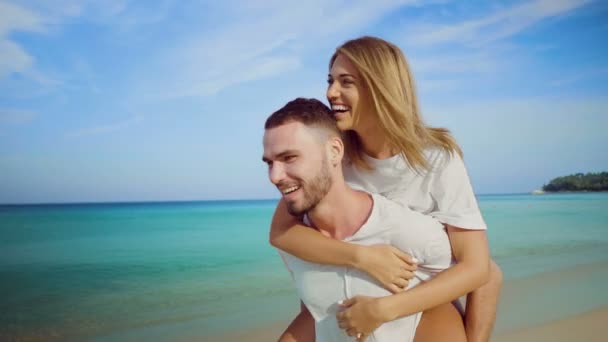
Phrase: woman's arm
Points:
(387, 264)
(470, 248)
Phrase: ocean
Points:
(181, 270)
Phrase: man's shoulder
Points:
(387, 209)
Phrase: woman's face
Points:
(344, 93)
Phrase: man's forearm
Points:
(301, 329)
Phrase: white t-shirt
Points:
(320, 287)
(443, 192)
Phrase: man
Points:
(304, 151)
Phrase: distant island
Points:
(578, 182)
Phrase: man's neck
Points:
(342, 211)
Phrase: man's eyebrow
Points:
(280, 155)
(286, 152)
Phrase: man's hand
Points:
(388, 265)
(361, 316)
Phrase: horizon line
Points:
(196, 200)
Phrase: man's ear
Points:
(336, 150)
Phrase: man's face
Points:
(297, 165)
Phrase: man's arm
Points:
(387, 264)
(301, 329)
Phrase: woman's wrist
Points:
(386, 307)
(357, 260)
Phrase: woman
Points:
(392, 152)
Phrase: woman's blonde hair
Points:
(388, 82)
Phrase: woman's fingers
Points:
(407, 275)
(411, 263)
(351, 332)
(401, 283)
(394, 288)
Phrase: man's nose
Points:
(276, 174)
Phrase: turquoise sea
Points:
(166, 271)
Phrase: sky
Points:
(116, 100)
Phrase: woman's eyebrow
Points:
(342, 75)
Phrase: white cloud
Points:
(499, 25)
(15, 116)
(42, 17)
(104, 129)
(13, 58)
(480, 61)
(13, 17)
(259, 41)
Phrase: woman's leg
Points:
(481, 307)
(301, 329)
(441, 324)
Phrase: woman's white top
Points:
(443, 192)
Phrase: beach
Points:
(521, 302)
(204, 271)
(589, 327)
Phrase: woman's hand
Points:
(361, 316)
(388, 265)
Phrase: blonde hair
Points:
(387, 80)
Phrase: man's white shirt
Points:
(321, 287)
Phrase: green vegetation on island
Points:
(579, 182)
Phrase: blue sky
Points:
(166, 100)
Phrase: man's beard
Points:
(313, 191)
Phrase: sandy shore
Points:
(563, 305)
(589, 327)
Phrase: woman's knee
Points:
(496, 275)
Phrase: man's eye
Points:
(289, 159)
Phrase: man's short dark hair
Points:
(310, 112)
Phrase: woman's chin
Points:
(344, 124)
